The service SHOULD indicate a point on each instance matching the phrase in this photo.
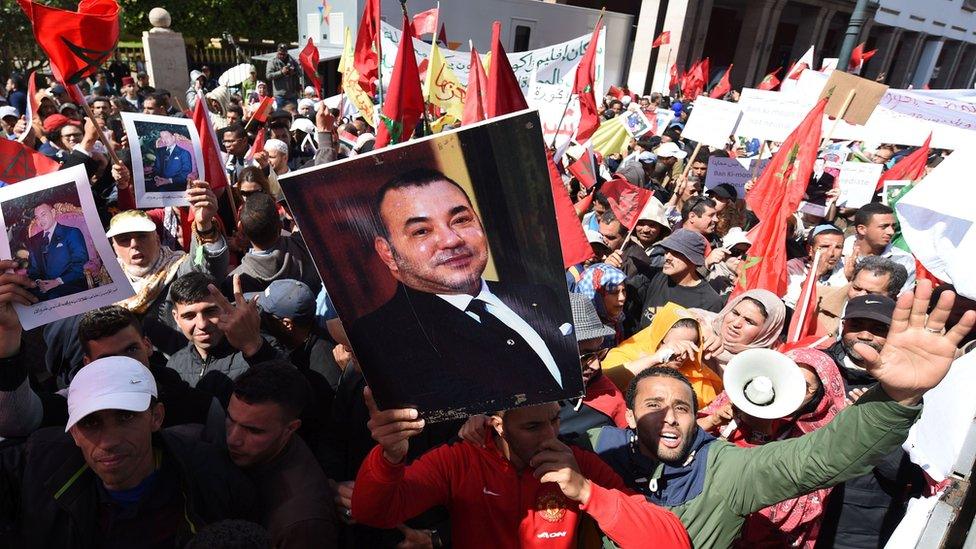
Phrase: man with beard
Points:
(713, 485)
(864, 511)
(829, 241)
(484, 343)
(875, 226)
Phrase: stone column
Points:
(887, 44)
(675, 21)
(927, 61)
(752, 51)
(821, 35)
(950, 64)
(808, 33)
(900, 75)
(964, 74)
(640, 58)
(165, 53)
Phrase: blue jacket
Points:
(175, 165)
(63, 257)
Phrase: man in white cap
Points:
(117, 480)
(151, 267)
(668, 156)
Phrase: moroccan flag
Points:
(213, 164)
(257, 146)
(675, 77)
(583, 88)
(724, 85)
(261, 113)
(403, 103)
(693, 83)
(858, 57)
(582, 170)
(774, 198)
(18, 162)
(804, 321)
(504, 94)
(425, 22)
(572, 240)
(770, 81)
(662, 39)
(32, 105)
(583, 205)
(626, 200)
(911, 166)
(309, 59)
(76, 42)
(366, 60)
(475, 102)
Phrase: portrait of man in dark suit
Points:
(173, 165)
(57, 256)
(449, 342)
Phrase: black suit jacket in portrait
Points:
(63, 257)
(418, 350)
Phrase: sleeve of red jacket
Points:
(385, 494)
(627, 518)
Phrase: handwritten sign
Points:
(857, 183)
(554, 64)
(769, 115)
(712, 122)
(735, 171)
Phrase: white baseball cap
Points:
(734, 237)
(130, 221)
(111, 383)
(7, 110)
(670, 149)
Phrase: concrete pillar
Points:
(903, 69)
(927, 61)
(808, 33)
(823, 25)
(700, 13)
(752, 51)
(964, 74)
(886, 45)
(675, 20)
(952, 57)
(640, 58)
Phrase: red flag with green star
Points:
(775, 196)
(583, 88)
(404, 101)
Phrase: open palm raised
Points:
(917, 355)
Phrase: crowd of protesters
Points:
(222, 405)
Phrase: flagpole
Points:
(570, 100)
(667, 64)
(805, 295)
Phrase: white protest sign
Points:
(857, 183)
(734, 171)
(662, 118)
(770, 115)
(551, 101)
(712, 122)
(554, 64)
(829, 65)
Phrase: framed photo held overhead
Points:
(166, 155)
(442, 258)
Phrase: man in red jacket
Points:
(523, 488)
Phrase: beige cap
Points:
(130, 221)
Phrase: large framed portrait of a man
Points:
(442, 258)
(166, 156)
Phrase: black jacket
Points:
(50, 498)
(216, 373)
(418, 350)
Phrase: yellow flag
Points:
(442, 87)
(611, 137)
(350, 81)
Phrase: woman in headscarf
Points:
(673, 339)
(794, 522)
(752, 320)
(604, 286)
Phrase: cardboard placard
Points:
(857, 183)
(867, 94)
(712, 122)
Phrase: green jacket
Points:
(739, 481)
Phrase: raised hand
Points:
(239, 321)
(393, 428)
(204, 203)
(475, 429)
(917, 354)
(555, 462)
(13, 289)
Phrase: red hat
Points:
(57, 121)
(128, 81)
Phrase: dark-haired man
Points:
(486, 343)
(829, 241)
(112, 477)
(224, 338)
(57, 256)
(699, 214)
(714, 485)
(875, 228)
(262, 418)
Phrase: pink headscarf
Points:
(768, 333)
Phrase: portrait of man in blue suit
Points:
(173, 165)
(57, 256)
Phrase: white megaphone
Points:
(764, 383)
